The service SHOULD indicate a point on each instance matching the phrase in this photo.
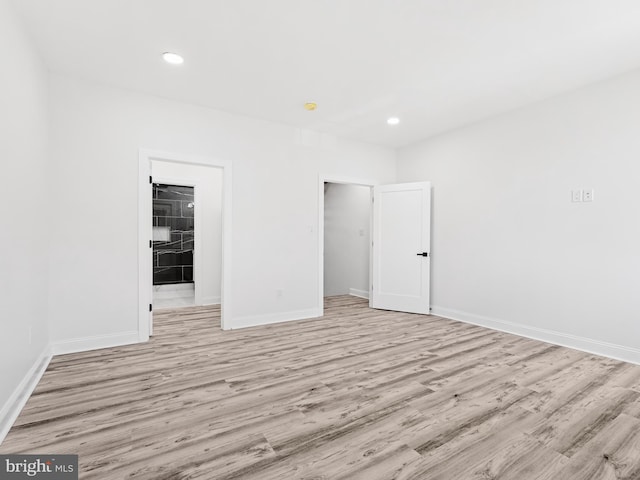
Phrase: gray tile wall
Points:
(173, 260)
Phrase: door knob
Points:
(423, 254)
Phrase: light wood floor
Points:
(358, 394)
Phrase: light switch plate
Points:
(576, 195)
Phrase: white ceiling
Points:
(436, 64)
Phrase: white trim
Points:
(354, 292)
(16, 402)
(322, 178)
(145, 288)
(145, 233)
(94, 342)
(270, 318)
(596, 347)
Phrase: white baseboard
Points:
(211, 301)
(16, 402)
(257, 320)
(93, 343)
(358, 293)
(596, 347)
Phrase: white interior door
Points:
(401, 247)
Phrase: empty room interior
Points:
(330, 239)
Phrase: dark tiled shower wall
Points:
(173, 260)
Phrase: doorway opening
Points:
(187, 234)
(347, 240)
(399, 244)
(185, 237)
(345, 221)
(173, 245)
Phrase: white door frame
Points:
(345, 180)
(145, 233)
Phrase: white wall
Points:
(208, 211)
(347, 212)
(508, 244)
(24, 334)
(96, 134)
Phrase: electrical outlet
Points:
(587, 195)
(576, 195)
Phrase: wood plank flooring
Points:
(358, 394)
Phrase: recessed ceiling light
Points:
(172, 58)
(393, 120)
(310, 106)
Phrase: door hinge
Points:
(150, 243)
(150, 179)
(150, 308)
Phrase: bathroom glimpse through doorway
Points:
(173, 245)
(184, 232)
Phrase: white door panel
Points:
(401, 233)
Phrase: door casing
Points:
(145, 234)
